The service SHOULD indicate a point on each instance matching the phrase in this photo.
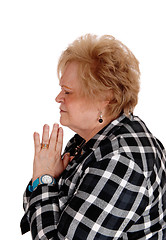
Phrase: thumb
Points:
(66, 160)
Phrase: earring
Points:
(100, 118)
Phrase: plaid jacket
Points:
(115, 190)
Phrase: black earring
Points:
(100, 118)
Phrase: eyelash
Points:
(66, 92)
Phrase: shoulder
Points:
(131, 139)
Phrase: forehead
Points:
(70, 77)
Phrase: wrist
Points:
(44, 179)
(34, 177)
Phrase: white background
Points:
(32, 36)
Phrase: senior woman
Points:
(110, 181)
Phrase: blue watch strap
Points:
(30, 188)
(34, 185)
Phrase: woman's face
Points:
(76, 112)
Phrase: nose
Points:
(59, 98)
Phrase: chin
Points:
(63, 122)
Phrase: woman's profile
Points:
(110, 182)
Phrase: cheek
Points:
(86, 113)
(79, 109)
(71, 103)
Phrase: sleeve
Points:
(110, 197)
(41, 212)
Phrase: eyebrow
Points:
(66, 87)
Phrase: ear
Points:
(105, 100)
(102, 105)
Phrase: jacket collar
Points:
(108, 130)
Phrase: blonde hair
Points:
(106, 67)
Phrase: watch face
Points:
(46, 179)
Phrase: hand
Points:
(48, 160)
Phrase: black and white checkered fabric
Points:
(115, 190)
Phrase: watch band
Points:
(38, 181)
(34, 185)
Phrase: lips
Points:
(61, 110)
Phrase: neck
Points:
(89, 133)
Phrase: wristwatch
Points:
(44, 179)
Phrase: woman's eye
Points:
(66, 92)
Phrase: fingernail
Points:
(56, 125)
(35, 134)
(60, 129)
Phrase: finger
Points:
(59, 140)
(66, 160)
(36, 137)
(45, 136)
(53, 137)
